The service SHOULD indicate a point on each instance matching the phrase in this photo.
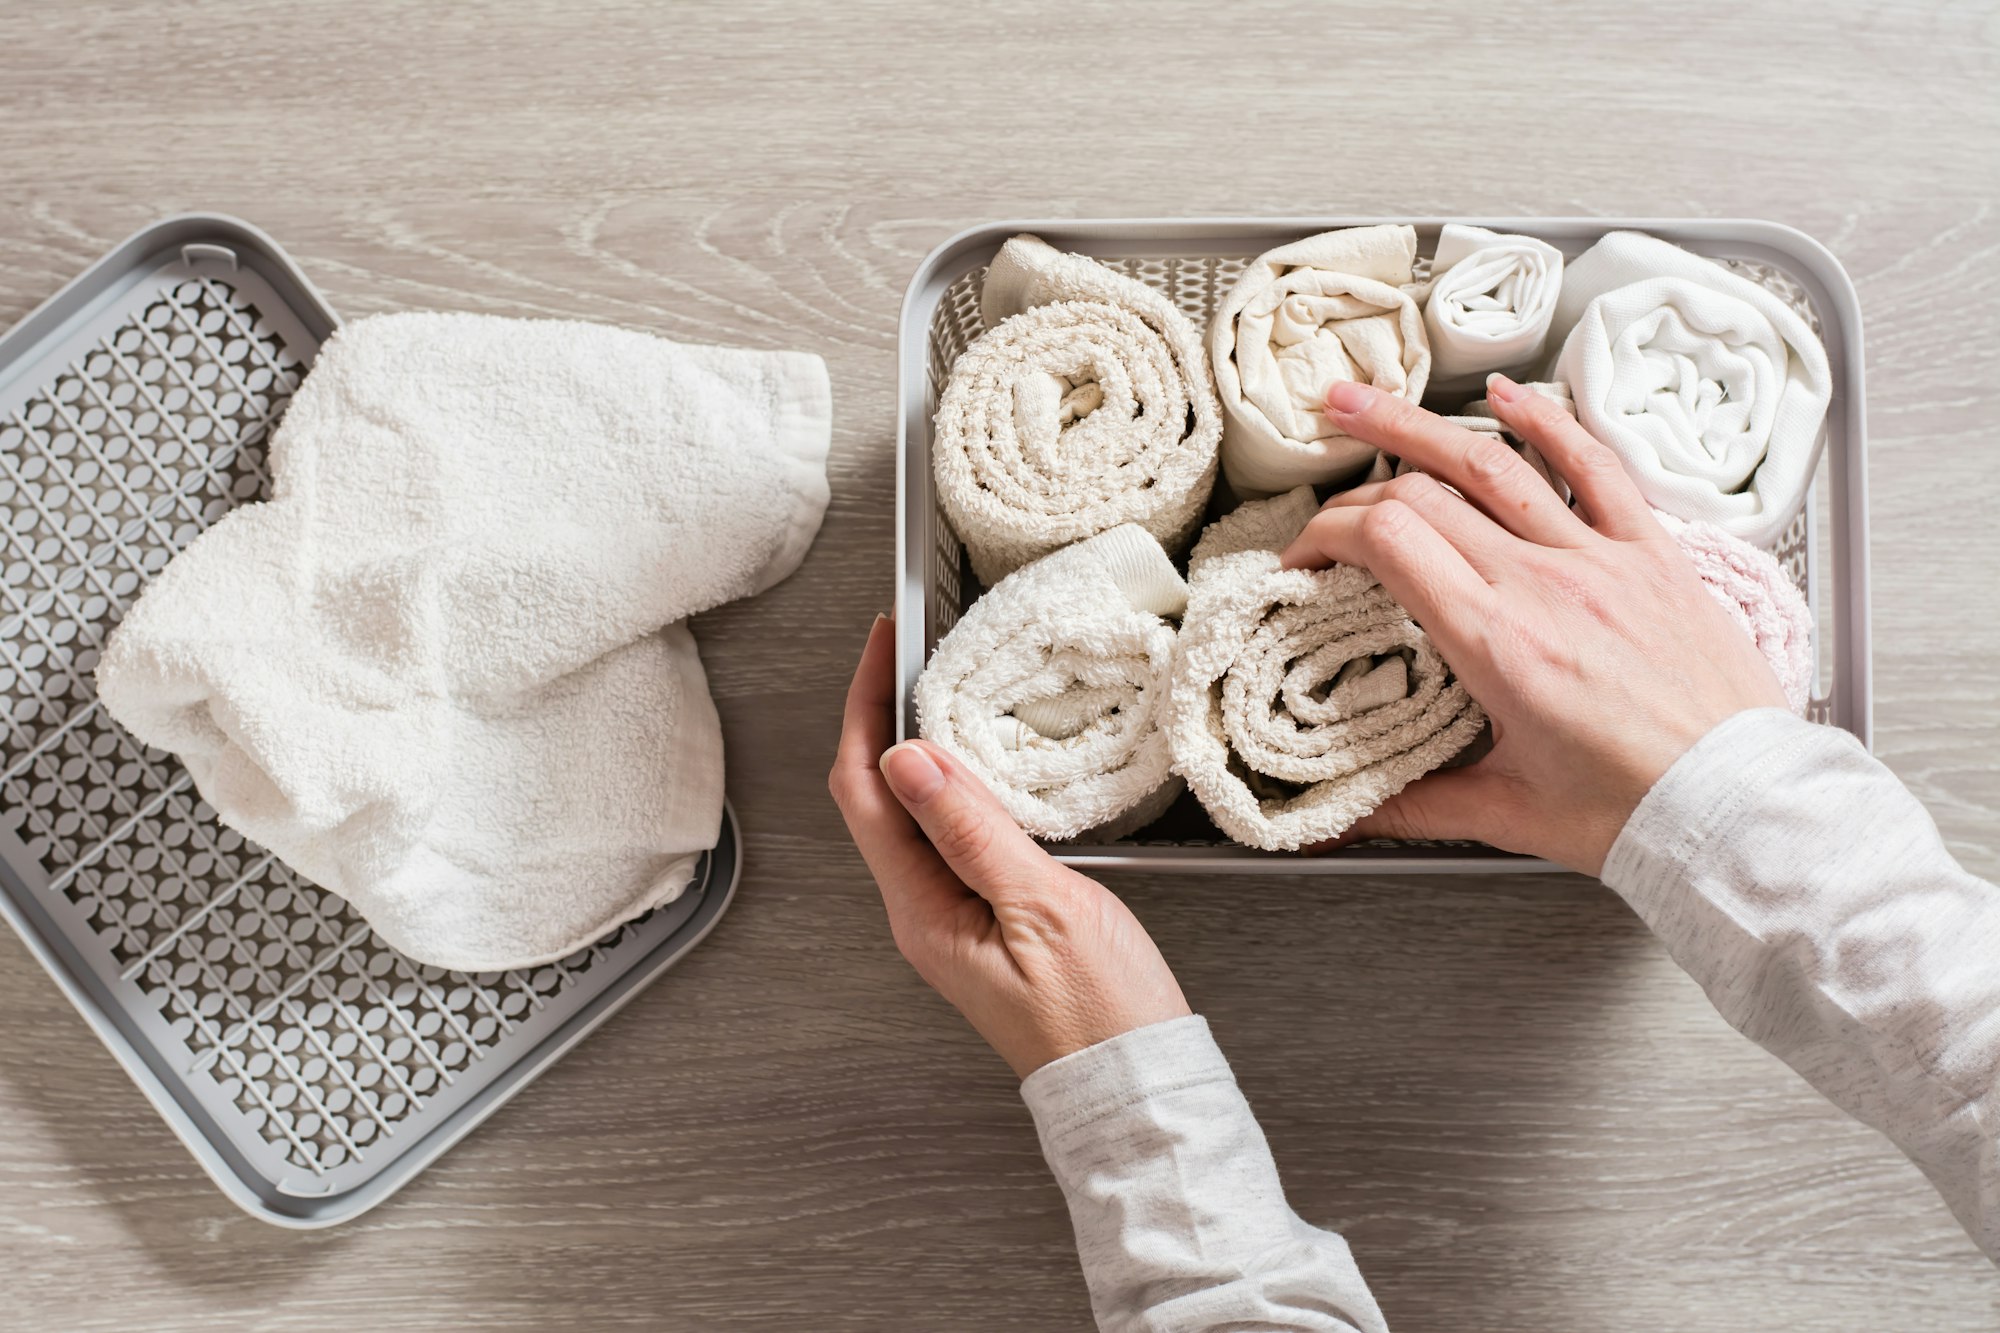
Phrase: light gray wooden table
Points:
(1517, 1110)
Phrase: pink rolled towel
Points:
(1759, 596)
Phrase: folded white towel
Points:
(439, 673)
(1302, 699)
(1492, 297)
(1709, 387)
(1087, 403)
(1053, 687)
(1331, 307)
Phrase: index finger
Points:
(1478, 464)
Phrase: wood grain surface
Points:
(1518, 1111)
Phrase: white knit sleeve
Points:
(1809, 893)
(1180, 1221)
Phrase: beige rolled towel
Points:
(1302, 699)
(1087, 403)
(1336, 306)
(1053, 687)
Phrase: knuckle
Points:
(1488, 462)
(1388, 524)
(961, 833)
(1413, 488)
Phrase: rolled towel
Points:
(441, 672)
(1302, 699)
(1086, 403)
(1759, 596)
(1491, 300)
(1710, 388)
(1331, 307)
(1053, 687)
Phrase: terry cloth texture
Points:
(1086, 403)
(1302, 699)
(1492, 297)
(1711, 389)
(1337, 306)
(1053, 687)
(441, 671)
(1759, 596)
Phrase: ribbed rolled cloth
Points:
(1709, 387)
(1086, 403)
(1759, 596)
(1331, 307)
(1302, 699)
(441, 672)
(1053, 686)
(1491, 299)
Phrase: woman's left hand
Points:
(1042, 961)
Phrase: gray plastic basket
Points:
(310, 1068)
(1194, 262)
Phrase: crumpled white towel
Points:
(1336, 306)
(1302, 699)
(440, 672)
(1086, 403)
(1053, 687)
(1710, 388)
(1491, 300)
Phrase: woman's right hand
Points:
(1584, 633)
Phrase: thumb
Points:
(969, 828)
(1477, 802)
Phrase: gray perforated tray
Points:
(310, 1068)
(1194, 262)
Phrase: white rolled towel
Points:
(1336, 306)
(441, 672)
(1491, 300)
(1711, 389)
(1302, 699)
(1086, 403)
(1053, 687)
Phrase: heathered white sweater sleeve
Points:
(1791, 874)
(1801, 884)
(1180, 1221)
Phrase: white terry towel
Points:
(1302, 699)
(1710, 388)
(440, 672)
(1336, 306)
(1053, 687)
(1086, 403)
(1492, 297)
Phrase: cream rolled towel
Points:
(1087, 403)
(1491, 300)
(1336, 306)
(441, 672)
(1711, 389)
(1302, 699)
(1053, 687)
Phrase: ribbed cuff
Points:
(1084, 1087)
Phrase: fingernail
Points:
(1346, 397)
(1499, 387)
(913, 775)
